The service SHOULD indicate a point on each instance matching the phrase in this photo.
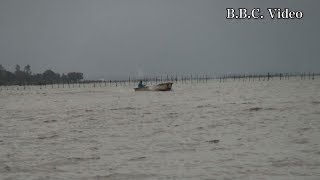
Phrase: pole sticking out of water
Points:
(312, 76)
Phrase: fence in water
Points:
(182, 79)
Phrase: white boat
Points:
(159, 87)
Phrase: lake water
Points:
(225, 131)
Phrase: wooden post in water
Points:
(312, 76)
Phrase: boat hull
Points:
(158, 87)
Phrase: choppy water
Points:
(233, 130)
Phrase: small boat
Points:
(159, 87)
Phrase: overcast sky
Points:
(120, 38)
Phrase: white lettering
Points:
(230, 13)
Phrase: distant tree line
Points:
(26, 77)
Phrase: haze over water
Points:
(232, 130)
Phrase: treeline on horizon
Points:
(26, 77)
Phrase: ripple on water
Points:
(315, 102)
(125, 108)
(300, 141)
(133, 176)
(255, 109)
(50, 136)
(206, 106)
(50, 121)
(140, 158)
(287, 162)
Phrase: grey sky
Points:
(118, 38)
